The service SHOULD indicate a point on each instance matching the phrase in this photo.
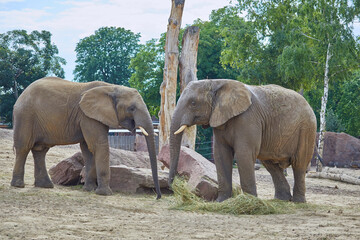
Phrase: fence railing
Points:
(124, 139)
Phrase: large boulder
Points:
(140, 143)
(129, 172)
(67, 172)
(340, 150)
(134, 180)
(129, 158)
(200, 171)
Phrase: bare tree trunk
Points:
(15, 90)
(323, 111)
(188, 60)
(168, 86)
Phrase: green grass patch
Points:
(239, 204)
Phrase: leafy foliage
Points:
(105, 56)
(25, 58)
(148, 73)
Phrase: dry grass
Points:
(239, 204)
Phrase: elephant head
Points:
(205, 102)
(117, 106)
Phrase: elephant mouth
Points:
(129, 124)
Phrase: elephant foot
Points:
(299, 199)
(89, 187)
(104, 191)
(15, 182)
(283, 196)
(44, 183)
(222, 197)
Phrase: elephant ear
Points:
(98, 103)
(231, 99)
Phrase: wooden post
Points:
(168, 86)
(188, 60)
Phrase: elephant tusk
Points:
(143, 131)
(156, 135)
(182, 128)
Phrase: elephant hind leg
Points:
(41, 176)
(282, 188)
(301, 161)
(19, 167)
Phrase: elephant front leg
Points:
(90, 169)
(223, 161)
(102, 169)
(96, 138)
(245, 162)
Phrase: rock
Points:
(201, 172)
(129, 172)
(140, 143)
(340, 150)
(67, 172)
(129, 158)
(135, 180)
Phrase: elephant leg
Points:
(300, 163)
(41, 176)
(90, 169)
(282, 188)
(245, 163)
(224, 155)
(19, 167)
(299, 185)
(96, 137)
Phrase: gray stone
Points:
(340, 150)
(200, 171)
(134, 180)
(67, 172)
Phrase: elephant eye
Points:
(193, 103)
(131, 108)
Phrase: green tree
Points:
(105, 56)
(345, 101)
(301, 43)
(148, 73)
(25, 58)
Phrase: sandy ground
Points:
(71, 213)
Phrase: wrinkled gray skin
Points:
(53, 111)
(271, 123)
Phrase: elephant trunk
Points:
(150, 141)
(175, 145)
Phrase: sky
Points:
(71, 20)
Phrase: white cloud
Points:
(74, 20)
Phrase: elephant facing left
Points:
(53, 111)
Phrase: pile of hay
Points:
(239, 204)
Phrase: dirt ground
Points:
(71, 213)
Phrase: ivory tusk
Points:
(182, 128)
(143, 131)
(156, 135)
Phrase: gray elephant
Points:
(271, 123)
(52, 111)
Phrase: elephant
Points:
(270, 123)
(53, 111)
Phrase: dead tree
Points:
(188, 60)
(168, 86)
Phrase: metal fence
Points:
(123, 139)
